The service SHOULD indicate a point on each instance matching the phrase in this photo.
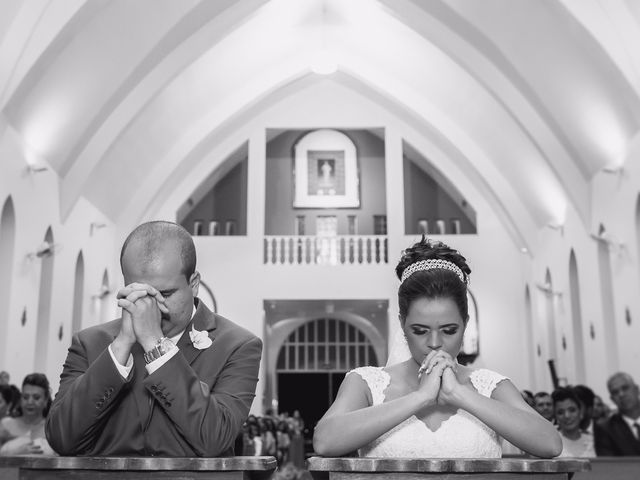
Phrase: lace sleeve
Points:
(377, 380)
(485, 381)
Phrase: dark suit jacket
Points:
(613, 437)
(194, 405)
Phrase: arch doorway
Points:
(314, 358)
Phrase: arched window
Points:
(7, 247)
(326, 344)
(44, 306)
(78, 295)
(550, 318)
(638, 231)
(313, 361)
(530, 336)
(610, 330)
(206, 295)
(105, 289)
(576, 319)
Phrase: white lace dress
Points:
(460, 436)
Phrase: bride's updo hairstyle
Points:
(432, 270)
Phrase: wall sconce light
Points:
(556, 226)
(32, 168)
(546, 288)
(614, 170)
(608, 239)
(45, 250)
(96, 226)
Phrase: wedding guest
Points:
(528, 397)
(543, 403)
(569, 412)
(586, 397)
(619, 434)
(24, 434)
(6, 400)
(429, 405)
(601, 410)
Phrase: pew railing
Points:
(322, 468)
(139, 468)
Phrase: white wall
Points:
(35, 197)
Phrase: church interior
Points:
(304, 145)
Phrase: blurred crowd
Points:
(22, 415)
(587, 425)
(279, 435)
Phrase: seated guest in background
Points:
(586, 397)
(429, 405)
(5, 378)
(601, 410)
(619, 434)
(528, 397)
(6, 401)
(170, 377)
(543, 403)
(24, 434)
(569, 412)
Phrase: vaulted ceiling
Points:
(535, 97)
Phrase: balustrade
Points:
(325, 250)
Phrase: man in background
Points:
(543, 403)
(619, 435)
(169, 378)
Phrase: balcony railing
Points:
(335, 250)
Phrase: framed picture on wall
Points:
(326, 171)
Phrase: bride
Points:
(428, 405)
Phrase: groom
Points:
(169, 378)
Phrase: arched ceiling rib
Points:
(535, 95)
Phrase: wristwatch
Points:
(159, 349)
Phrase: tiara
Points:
(432, 264)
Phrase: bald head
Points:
(620, 376)
(625, 394)
(153, 240)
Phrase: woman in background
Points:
(428, 405)
(569, 412)
(8, 400)
(24, 434)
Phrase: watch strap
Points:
(160, 348)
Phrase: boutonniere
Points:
(200, 339)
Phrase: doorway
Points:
(312, 393)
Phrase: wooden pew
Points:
(612, 468)
(138, 468)
(443, 469)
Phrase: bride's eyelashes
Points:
(446, 331)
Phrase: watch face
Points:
(164, 346)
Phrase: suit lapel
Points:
(140, 393)
(203, 320)
(625, 433)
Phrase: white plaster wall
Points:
(35, 198)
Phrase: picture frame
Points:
(326, 171)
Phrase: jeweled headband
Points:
(432, 264)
